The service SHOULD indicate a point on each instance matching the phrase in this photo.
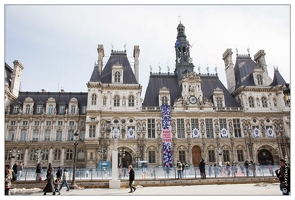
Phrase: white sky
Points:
(57, 44)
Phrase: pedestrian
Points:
(253, 167)
(19, 169)
(210, 170)
(59, 172)
(65, 178)
(167, 169)
(246, 165)
(182, 169)
(49, 167)
(14, 167)
(131, 179)
(227, 169)
(270, 169)
(50, 183)
(179, 169)
(56, 186)
(124, 172)
(38, 171)
(120, 171)
(202, 169)
(284, 176)
(8, 177)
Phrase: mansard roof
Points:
(243, 71)
(208, 84)
(277, 79)
(60, 98)
(106, 74)
(8, 72)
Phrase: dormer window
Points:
(259, 79)
(39, 109)
(73, 109)
(62, 109)
(117, 77)
(164, 100)
(15, 108)
(131, 101)
(28, 108)
(219, 102)
(117, 101)
(50, 109)
(93, 99)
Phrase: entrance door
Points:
(265, 157)
(125, 159)
(196, 156)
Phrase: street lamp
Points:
(73, 184)
(122, 155)
(138, 155)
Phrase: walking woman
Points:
(50, 183)
(131, 179)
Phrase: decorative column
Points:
(114, 183)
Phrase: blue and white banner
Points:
(166, 136)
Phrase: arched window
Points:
(45, 154)
(117, 77)
(264, 102)
(69, 154)
(164, 100)
(131, 101)
(259, 80)
(251, 102)
(93, 99)
(117, 101)
(56, 154)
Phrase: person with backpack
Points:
(202, 169)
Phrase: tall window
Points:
(222, 124)
(59, 123)
(70, 135)
(11, 135)
(23, 135)
(58, 135)
(62, 109)
(182, 156)
(37, 123)
(50, 109)
(151, 128)
(152, 157)
(39, 109)
(25, 123)
(211, 154)
(93, 99)
(226, 156)
(69, 154)
(251, 102)
(209, 128)
(15, 108)
(73, 109)
(264, 102)
(56, 154)
(219, 102)
(71, 123)
(195, 123)
(180, 128)
(237, 127)
(131, 101)
(164, 100)
(240, 155)
(45, 154)
(117, 100)
(47, 135)
(82, 134)
(91, 131)
(259, 79)
(28, 108)
(35, 135)
(117, 77)
(48, 123)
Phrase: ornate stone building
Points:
(250, 119)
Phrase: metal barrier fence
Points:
(160, 173)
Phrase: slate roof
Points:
(243, 71)
(209, 83)
(277, 79)
(106, 74)
(62, 98)
(8, 72)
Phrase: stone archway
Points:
(126, 159)
(265, 157)
(196, 155)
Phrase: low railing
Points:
(159, 173)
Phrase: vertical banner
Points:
(166, 136)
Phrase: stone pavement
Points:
(255, 189)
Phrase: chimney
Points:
(62, 90)
(259, 58)
(100, 51)
(229, 70)
(136, 63)
(43, 90)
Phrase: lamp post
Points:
(122, 155)
(73, 184)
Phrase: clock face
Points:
(193, 99)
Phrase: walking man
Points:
(19, 169)
(38, 171)
(179, 169)
(131, 179)
(65, 178)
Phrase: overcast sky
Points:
(57, 44)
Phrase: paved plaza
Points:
(257, 189)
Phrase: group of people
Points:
(55, 185)
(180, 168)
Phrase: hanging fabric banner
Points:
(166, 136)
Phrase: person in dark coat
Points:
(202, 169)
(38, 171)
(50, 183)
(284, 176)
(131, 179)
(59, 173)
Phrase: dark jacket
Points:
(50, 183)
(59, 173)
(131, 175)
(38, 168)
(284, 176)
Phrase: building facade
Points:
(250, 119)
